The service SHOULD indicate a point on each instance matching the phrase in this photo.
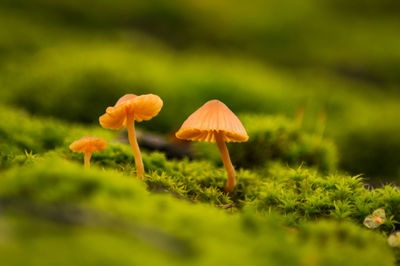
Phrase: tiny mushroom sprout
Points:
(129, 108)
(88, 145)
(215, 122)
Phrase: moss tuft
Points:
(53, 212)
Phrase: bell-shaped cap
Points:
(143, 107)
(214, 117)
(88, 144)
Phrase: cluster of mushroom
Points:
(213, 122)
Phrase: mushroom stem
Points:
(230, 184)
(86, 159)
(130, 125)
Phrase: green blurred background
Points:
(337, 60)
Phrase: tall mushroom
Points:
(88, 145)
(124, 113)
(215, 122)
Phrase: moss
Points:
(9, 158)
(23, 134)
(354, 83)
(303, 193)
(53, 212)
(278, 138)
(54, 193)
(329, 238)
(192, 180)
(159, 70)
(298, 194)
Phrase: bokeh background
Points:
(336, 61)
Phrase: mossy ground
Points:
(329, 58)
(55, 212)
(54, 207)
(316, 84)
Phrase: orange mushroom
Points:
(124, 113)
(215, 122)
(88, 145)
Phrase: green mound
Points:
(298, 194)
(316, 82)
(55, 213)
(23, 135)
(278, 138)
(81, 92)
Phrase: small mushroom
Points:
(124, 113)
(215, 122)
(88, 145)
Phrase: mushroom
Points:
(88, 145)
(215, 122)
(129, 108)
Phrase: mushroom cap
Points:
(143, 107)
(88, 144)
(212, 118)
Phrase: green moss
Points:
(53, 212)
(71, 59)
(275, 138)
(192, 180)
(245, 86)
(292, 56)
(22, 134)
(298, 194)
(304, 194)
(329, 238)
